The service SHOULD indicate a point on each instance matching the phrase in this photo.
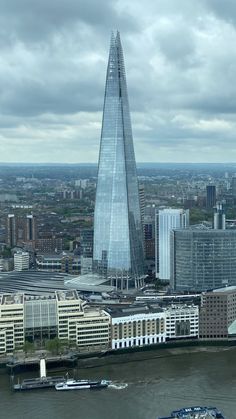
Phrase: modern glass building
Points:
(202, 259)
(168, 219)
(118, 240)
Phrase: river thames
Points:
(143, 389)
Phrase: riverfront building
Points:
(218, 314)
(202, 259)
(118, 238)
(169, 219)
(11, 322)
(40, 318)
(136, 326)
(182, 322)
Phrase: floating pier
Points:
(39, 382)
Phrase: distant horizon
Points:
(95, 164)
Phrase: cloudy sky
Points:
(180, 61)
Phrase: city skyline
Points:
(181, 79)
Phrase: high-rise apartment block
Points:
(210, 196)
(118, 237)
(21, 229)
(169, 219)
(202, 259)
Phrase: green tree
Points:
(28, 347)
(53, 345)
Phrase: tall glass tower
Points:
(118, 240)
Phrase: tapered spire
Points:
(118, 247)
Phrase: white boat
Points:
(81, 384)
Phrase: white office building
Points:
(182, 322)
(169, 219)
(21, 261)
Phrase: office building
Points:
(61, 314)
(11, 322)
(142, 201)
(218, 314)
(210, 196)
(169, 219)
(219, 217)
(86, 242)
(21, 261)
(93, 330)
(149, 236)
(64, 262)
(202, 259)
(182, 322)
(118, 237)
(156, 243)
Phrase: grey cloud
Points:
(179, 61)
(33, 22)
(223, 9)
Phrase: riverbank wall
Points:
(110, 357)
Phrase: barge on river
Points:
(196, 412)
(40, 382)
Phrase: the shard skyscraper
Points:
(118, 241)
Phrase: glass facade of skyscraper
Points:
(118, 241)
(202, 259)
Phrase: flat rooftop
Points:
(68, 295)
(9, 299)
(132, 310)
(225, 289)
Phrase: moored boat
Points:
(81, 384)
(196, 412)
(38, 383)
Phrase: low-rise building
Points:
(65, 263)
(182, 322)
(93, 330)
(136, 326)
